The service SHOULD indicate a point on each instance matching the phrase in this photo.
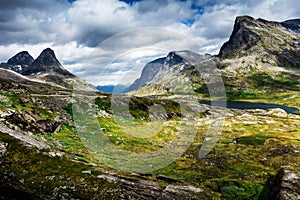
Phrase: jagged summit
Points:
(277, 42)
(47, 57)
(22, 58)
(184, 57)
(241, 38)
(46, 69)
(18, 63)
(47, 62)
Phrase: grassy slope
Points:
(235, 170)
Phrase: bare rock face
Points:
(22, 58)
(293, 25)
(241, 37)
(276, 42)
(286, 185)
(152, 190)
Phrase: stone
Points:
(3, 149)
(286, 184)
(277, 112)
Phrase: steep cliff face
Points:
(242, 37)
(273, 42)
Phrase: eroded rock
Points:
(286, 185)
(3, 149)
(277, 112)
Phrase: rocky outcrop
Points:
(25, 139)
(3, 149)
(27, 122)
(285, 185)
(152, 190)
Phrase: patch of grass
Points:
(69, 109)
(255, 140)
(42, 174)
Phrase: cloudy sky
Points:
(109, 41)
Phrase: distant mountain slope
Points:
(158, 69)
(111, 88)
(260, 56)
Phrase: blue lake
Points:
(248, 105)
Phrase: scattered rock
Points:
(277, 112)
(246, 117)
(248, 123)
(87, 172)
(3, 149)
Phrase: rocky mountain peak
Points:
(21, 58)
(173, 58)
(241, 38)
(47, 58)
(47, 62)
(264, 39)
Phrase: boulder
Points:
(277, 112)
(3, 149)
(286, 185)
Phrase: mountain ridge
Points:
(259, 54)
(44, 69)
(173, 63)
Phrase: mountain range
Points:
(45, 68)
(259, 54)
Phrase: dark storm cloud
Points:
(30, 21)
(12, 4)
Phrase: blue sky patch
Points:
(188, 22)
(130, 2)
